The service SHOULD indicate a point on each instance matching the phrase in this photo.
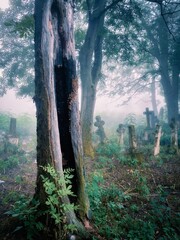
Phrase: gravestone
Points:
(12, 136)
(151, 120)
(120, 132)
(147, 113)
(157, 140)
(132, 139)
(12, 127)
(100, 131)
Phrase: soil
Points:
(21, 181)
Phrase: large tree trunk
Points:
(56, 96)
(169, 77)
(90, 68)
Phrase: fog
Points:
(104, 105)
(10, 103)
(4, 4)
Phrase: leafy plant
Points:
(30, 213)
(111, 149)
(57, 187)
(26, 211)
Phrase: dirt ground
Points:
(21, 181)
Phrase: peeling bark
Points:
(56, 96)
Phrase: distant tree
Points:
(91, 58)
(56, 96)
(152, 39)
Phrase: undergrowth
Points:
(29, 211)
(120, 214)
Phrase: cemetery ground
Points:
(131, 198)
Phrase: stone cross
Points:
(100, 131)
(120, 132)
(148, 113)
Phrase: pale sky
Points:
(4, 4)
(10, 103)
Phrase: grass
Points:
(133, 200)
(129, 199)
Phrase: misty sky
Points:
(4, 4)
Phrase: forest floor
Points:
(139, 182)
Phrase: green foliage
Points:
(26, 211)
(10, 157)
(29, 211)
(56, 188)
(110, 149)
(4, 122)
(118, 217)
(129, 215)
(9, 163)
(17, 53)
(25, 26)
(142, 186)
(26, 124)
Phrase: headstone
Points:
(12, 137)
(120, 132)
(157, 140)
(132, 139)
(12, 127)
(100, 131)
(147, 113)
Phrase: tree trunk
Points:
(90, 68)
(169, 72)
(56, 96)
(153, 97)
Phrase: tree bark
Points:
(56, 97)
(153, 97)
(169, 70)
(90, 68)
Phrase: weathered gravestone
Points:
(151, 120)
(12, 136)
(132, 139)
(147, 113)
(133, 148)
(157, 140)
(12, 127)
(100, 131)
(121, 130)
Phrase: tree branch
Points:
(109, 6)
